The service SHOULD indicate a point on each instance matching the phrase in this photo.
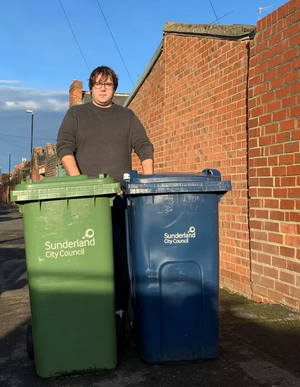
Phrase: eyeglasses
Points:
(106, 85)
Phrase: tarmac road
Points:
(259, 344)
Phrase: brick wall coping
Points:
(234, 32)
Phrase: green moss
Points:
(87, 371)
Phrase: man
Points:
(98, 137)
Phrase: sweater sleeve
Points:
(139, 140)
(66, 138)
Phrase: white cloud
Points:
(8, 82)
(14, 98)
(12, 105)
(57, 105)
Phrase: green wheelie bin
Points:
(69, 257)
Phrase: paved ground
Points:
(259, 344)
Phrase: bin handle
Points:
(211, 172)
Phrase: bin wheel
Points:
(29, 342)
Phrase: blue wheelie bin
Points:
(173, 256)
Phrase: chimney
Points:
(75, 93)
(38, 150)
(49, 149)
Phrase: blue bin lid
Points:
(209, 180)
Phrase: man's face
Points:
(103, 91)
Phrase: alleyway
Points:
(258, 343)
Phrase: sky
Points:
(45, 45)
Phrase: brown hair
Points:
(105, 72)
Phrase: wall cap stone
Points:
(231, 32)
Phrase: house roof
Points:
(118, 99)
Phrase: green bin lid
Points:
(65, 187)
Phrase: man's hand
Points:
(70, 165)
(147, 166)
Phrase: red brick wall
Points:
(193, 105)
(51, 160)
(35, 169)
(274, 158)
(4, 189)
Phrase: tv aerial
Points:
(261, 9)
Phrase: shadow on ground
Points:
(13, 275)
(258, 347)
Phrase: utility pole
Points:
(9, 159)
(31, 138)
